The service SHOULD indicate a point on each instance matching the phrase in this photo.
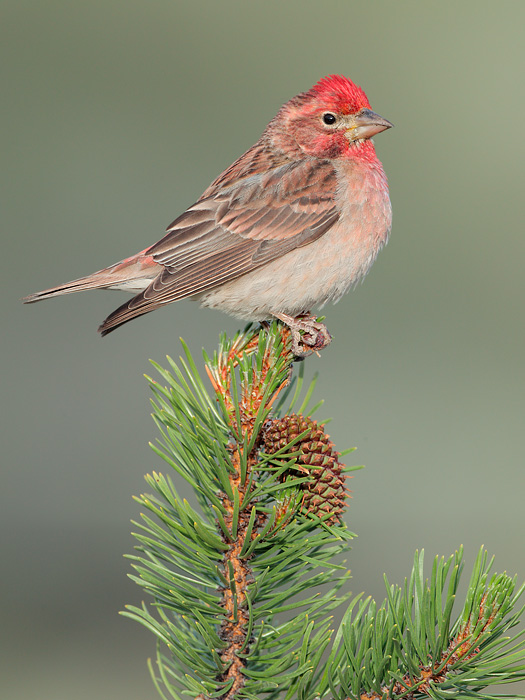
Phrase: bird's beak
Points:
(365, 124)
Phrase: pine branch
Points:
(225, 576)
(408, 647)
(244, 580)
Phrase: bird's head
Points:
(328, 121)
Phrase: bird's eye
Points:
(329, 118)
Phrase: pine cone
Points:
(325, 492)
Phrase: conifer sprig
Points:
(408, 647)
(243, 580)
(234, 579)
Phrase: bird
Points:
(293, 223)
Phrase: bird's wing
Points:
(236, 228)
(248, 224)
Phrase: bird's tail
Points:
(132, 275)
(94, 281)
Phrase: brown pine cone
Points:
(325, 492)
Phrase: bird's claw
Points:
(308, 335)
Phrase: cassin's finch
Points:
(292, 224)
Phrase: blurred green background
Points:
(116, 115)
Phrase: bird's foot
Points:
(308, 335)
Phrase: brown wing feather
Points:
(236, 228)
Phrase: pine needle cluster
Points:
(243, 581)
